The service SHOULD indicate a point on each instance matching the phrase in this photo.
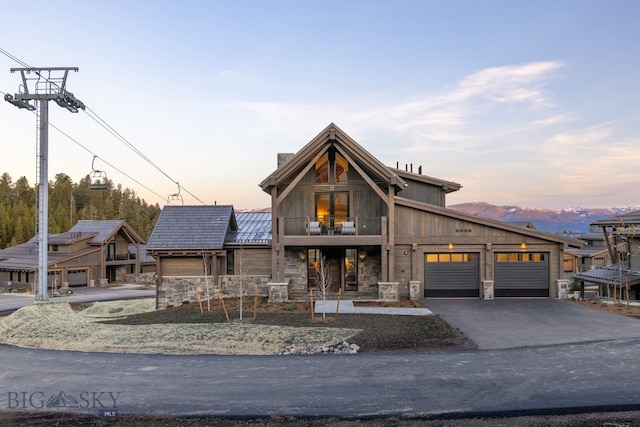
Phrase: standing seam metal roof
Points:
(253, 228)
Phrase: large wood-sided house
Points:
(371, 226)
(100, 251)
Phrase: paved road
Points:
(12, 302)
(530, 377)
(480, 381)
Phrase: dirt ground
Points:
(377, 332)
(631, 310)
(599, 419)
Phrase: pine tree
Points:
(68, 203)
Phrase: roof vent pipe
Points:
(420, 170)
(411, 165)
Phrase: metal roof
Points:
(103, 228)
(24, 257)
(629, 218)
(253, 228)
(609, 275)
(192, 227)
(588, 251)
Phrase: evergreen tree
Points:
(68, 203)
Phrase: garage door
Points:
(451, 275)
(521, 275)
(77, 277)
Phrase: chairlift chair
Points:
(175, 197)
(98, 178)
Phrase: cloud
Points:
(457, 115)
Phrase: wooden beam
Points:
(614, 256)
(372, 184)
(299, 177)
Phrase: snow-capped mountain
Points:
(575, 220)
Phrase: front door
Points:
(336, 268)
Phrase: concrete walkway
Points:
(347, 307)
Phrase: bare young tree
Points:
(205, 265)
(324, 283)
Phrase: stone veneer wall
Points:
(141, 278)
(369, 275)
(175, 291)
(295, 273)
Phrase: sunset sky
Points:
(528, 103)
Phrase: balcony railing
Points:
(121, 257)
(329, 226)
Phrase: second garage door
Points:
(521, 275)
(449, 275)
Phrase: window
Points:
(451, 257)
(341, 168)
(332, 168)
(313, 267)
(519, 257)
(350, 270)
(331, 207)
(322, 169)
(230, 262)
(111, 251)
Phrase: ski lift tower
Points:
(42, 85)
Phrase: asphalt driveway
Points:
(511, 323)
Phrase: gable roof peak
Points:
(331, 134)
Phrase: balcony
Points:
(120, 257)
(332, 230)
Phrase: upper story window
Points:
(332, 168)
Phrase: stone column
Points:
(487, 289)
(388, 291)
(416, 291)
(278, 292)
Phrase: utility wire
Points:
(95, 155)
(95, 117)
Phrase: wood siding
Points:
(181, 266)
(425, 232)
(367, 204)
(252, 261)
(423, 192)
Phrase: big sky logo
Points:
(83, 400)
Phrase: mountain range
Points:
(570, 220)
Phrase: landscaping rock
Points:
(343, 348)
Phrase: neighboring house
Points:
(196, 247)
(621, 238)
(594, 254)
(90, 252)
(370, 226)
